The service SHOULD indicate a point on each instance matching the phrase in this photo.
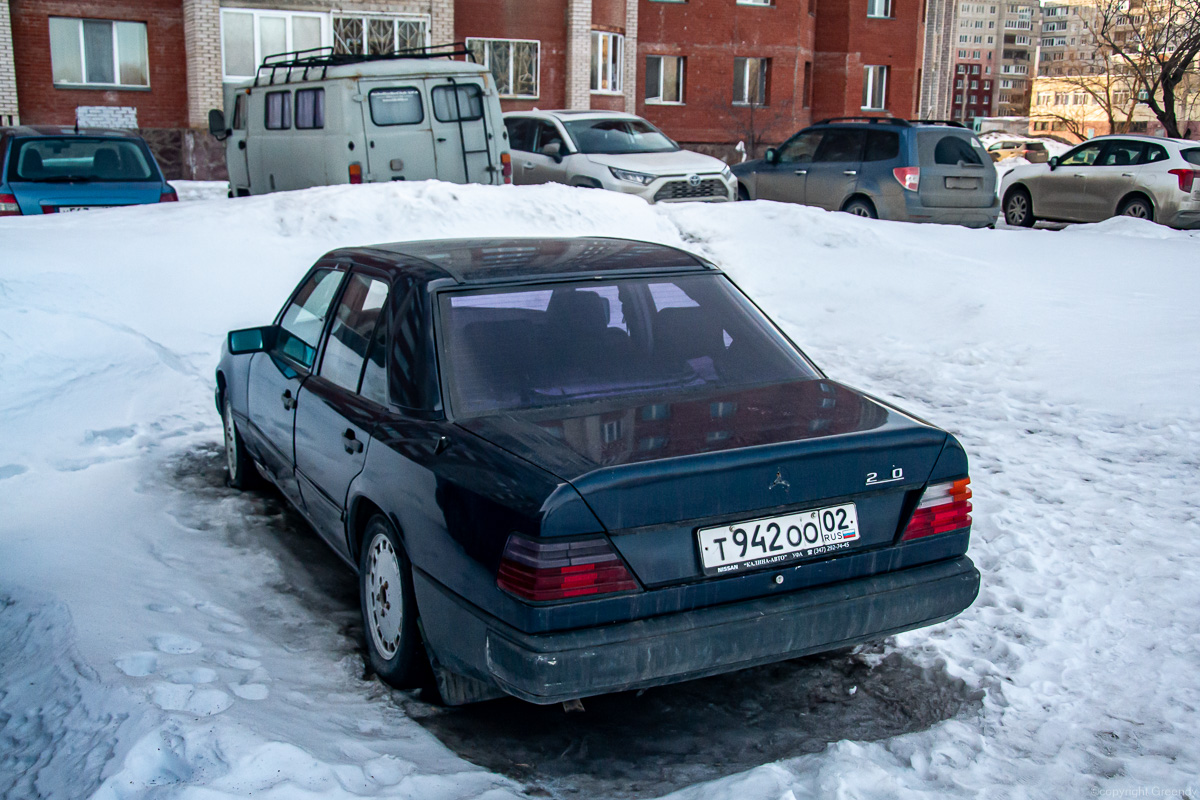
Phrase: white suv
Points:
(612, 150)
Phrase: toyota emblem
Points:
(693, 180)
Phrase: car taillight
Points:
(8, 206)
(506, 167)
(548, 570)
(943, 507)
(168, 195)
(1186, 178)
(356, 172)
(909, 177)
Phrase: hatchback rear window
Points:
(1191, 156)
(70, 159)
(955, 149)
(549, 345)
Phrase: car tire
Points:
(389, 607)
(742, 193)
(1018, 208)
(861, 207)
(240, 469)
(1137, 207)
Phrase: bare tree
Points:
(1100, 95)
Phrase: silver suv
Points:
(880, 167)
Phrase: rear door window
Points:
(1121, 153)
(455, 102)
(882, 146)
(400, 106)
(521, 133)
(953, 150)
(304, 318)
(845, 144)
(352, 330)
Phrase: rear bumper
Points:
(550, 668)
(970, 217)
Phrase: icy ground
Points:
(164, 636)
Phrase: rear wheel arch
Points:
(1013, 191)
(1134, 196)
(222, 387)
(858, 200)
(360, 512)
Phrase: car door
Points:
(460, 135)
(275, 377)
(783, 179)
(833, 174)
(1059, 194)
(335, 414)
(399, 131)
(1111, 178)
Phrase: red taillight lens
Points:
(909, 177)
(8, 206)
(943, 507)
(536, 570)
(506, 167)
(1186, 178)
(168, 196)
(356, 172)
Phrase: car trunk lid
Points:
(956, 172)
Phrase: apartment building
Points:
(712, 73)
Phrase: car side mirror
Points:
(216, 124)
(252, 340)
(1053, 162)
(772, 155)
(554, 150)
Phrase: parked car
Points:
(880, 167)
(612, 150)
(1137, 176)
(567, 467)
(1033, 152)
(315, 118)
(48, 169)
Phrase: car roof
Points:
(385, 68)
(68, 130)
(1144, 137)
(565, 114)
(491, 260)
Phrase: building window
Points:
(874, 97)
(750, 81)
(250, 35)
(664, 79)
(608, 56)
(879, 8)
(98, 52)
(754, 2)
(515, 64)
(378, 35)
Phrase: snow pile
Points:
(160, 634)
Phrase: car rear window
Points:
(548, 345)
(1191, 156)
(69, 159)
(955, 149)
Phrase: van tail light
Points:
(8, 206)
(506, 166)
(356, 172)
(944, 507)
(1186, 178)
(549, 570)
(909, 177)
(168, 195)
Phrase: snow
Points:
(162, 635)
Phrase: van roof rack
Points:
(953, 123)
(871, 120)
(323, 58)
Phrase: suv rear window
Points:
(953, 149)
(1191, 156)
(69, 159)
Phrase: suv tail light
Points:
(8, 206)
(540, 570)
(168, 195)
(944, 507)
(909, 177)
(506, 166)
(356, 172)
(1186, 178)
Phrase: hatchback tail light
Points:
(909, 177)
(548, 570)
(944, 507)
(168, 195)
(356, 172)
(8, 206)
(506, 166)
(1186, 178)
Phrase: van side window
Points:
(469, 106)
(239, 112)
(279, 111)
(396, 106)
(310, 108)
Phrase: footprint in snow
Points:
(175, 645)
(214, 610)
(250, 691)
(195, 675)
(163, 608)
(110, 436)
(225, 658)
(12, 470)
(182, 697)
(138, 665)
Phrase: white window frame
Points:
(424, 19)
(258, 14)
(875, 79)
(658, 101)
(755, 2)
(512, 82)
(746, 83)
(879, 9)
(84, 83)
(613, 69)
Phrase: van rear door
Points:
(462, 130)
(397, 120)
(956, 172)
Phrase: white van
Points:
(313, 118)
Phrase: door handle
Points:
(528, 165)
(850, 172)
(1126, 174)
(351, 444)
(1078, 175)
(801, 172)
(289, 402)
(441, 138)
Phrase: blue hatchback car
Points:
(51, 169)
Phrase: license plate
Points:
(962, 183)
(68, 209)
(776, 540)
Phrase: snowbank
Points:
(164, 635)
